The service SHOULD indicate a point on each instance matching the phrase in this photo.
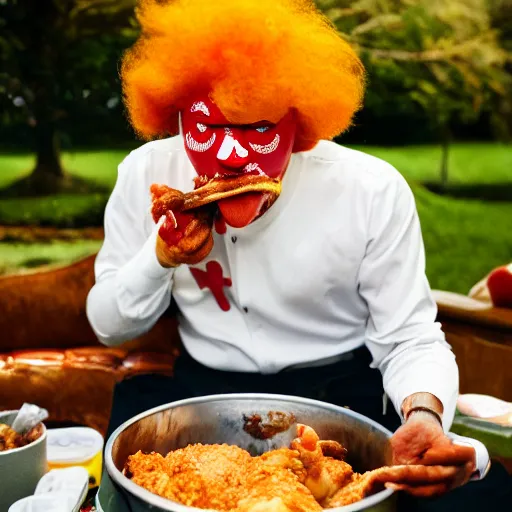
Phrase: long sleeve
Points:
(406, 343)
(132, 289)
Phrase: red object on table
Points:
(499, 283)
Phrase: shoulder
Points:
(156, 148)
(152, 154)
(161, 161)
(354, 170)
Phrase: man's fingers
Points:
(415, 474)
(464, 475)
(192, 243)
(421, 491)
(452, 455)
(201, 253)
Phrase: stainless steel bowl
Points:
(220, 419)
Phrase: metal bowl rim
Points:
(41, 439)
(164, 503)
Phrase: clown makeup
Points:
(217, 148)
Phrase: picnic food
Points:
(187, 229)
(309, 476)
(10, 439)
(223, 186)
(209, 191)
(183, 237)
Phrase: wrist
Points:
(425, 416)
(423, 406)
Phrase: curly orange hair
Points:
(256, 59)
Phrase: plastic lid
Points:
(52, 502)
(73, 445)
(74, 480)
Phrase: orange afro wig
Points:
(256, 59)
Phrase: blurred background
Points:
(438, 107)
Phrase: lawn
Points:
(470, 163)
(16, 256)
(463, 239)
(97, 166)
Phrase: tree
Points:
(443, 56)
(501, 21)
(54, 56)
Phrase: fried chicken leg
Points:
(307, 477)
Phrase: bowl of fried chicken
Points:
(247, 453)
(22, 459)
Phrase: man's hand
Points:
(422, 441)
(183, 238)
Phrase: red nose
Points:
(235, 161)
(232, 152)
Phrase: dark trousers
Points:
(351, 383)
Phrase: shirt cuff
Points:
(143, 274)
(482, 459)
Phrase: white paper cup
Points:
(20, 468)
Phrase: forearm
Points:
(127, 302)
(113, 326)
(427, 371)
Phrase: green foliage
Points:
(58, 61)
(445, 57)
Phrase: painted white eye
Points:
(263, 129)
(201, 127)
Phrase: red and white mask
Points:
(217, 148)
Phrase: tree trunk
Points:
(47, 150)
(444, 157)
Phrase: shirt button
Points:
(246, 310)
(234, 239)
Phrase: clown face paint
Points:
(217, 148)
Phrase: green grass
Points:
(463, 239)
(59, 210)
(97, 166)
(16, 256)
(470, 163)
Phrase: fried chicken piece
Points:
(304, 478)
(275, 484)
(202, 476)
(9, 438)
(223, 477)
(358, 487)
(150, 471)
(276, 489)
(325, 475)
(285, 458)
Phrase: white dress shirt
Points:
(337, 262)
